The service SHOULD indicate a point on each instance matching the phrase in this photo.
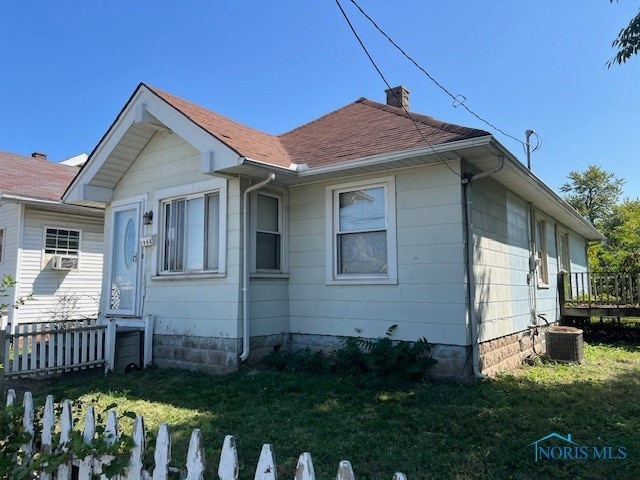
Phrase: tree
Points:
(628, 41)
(593, 193)
(621, 252)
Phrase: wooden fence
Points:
(41, 348)
(90, 466)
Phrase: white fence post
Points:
(266, 469)
(195, 456)
(304, 469)
(162, 456)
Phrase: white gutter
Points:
(245, 264)
(19, 198)
(389, 157)
(471, 279)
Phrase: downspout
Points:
(471, 290)
(245, 263)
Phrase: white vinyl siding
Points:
(428, 298)
(361, 232)
(60, 293)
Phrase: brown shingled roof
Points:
(365, 128)
(360, 129)
(34, 177)
(246, 141)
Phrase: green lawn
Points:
(428, 430)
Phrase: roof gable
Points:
(244, 140)
(34, 178)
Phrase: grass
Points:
(427, 430)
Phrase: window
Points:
(541, 251)
(1, 244)
(268, 233)
(564, 260)
(190, 233)
(60, 241)
(363, 232)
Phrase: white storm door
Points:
(126, 264)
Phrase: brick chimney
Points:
(42, 156)
(398, 97)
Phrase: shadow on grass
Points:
(447, 431)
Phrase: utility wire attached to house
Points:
(458, 100)
(415, 124)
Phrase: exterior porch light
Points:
(147, 217)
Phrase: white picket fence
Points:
(86, 468)
(41, 348)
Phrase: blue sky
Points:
(69, 66)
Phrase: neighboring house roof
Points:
(360, 129)
(33, 178)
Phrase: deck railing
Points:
(611, 291)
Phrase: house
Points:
(53, 251)
(236, 242)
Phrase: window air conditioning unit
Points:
(64, 262)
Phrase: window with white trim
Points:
(190, 233)
(62, 241)
(541, 251)
(268, 232)
(564, 260)
(362, 232)
(1, 244)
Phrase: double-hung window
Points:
(541, 251)
(268, 232)
(361, 222)
(62, 241)
(564, 261)
(190, 241)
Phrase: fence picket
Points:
(195, 457)
(304, 468)
(85, 465)
(27, 422)
(48, 424)
(345, 472)
(162, 455)
(110, 436)
(91, 466)
(11, 397)
(136, 464)
(266, 469)
(66, 424)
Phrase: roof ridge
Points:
(322, 117)
(419, 117)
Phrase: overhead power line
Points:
(458, 100)
(415, 124)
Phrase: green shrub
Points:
(382, 359)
